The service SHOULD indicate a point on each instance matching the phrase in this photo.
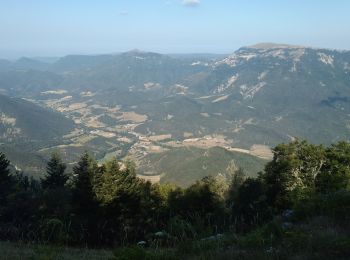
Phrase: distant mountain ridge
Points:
(270, 45)
(140, 103)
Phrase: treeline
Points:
(108, 205)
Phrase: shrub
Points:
(265, 236)
(126, 253)
(53, 231)
(138, 253)
(335, 205)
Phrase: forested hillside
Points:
(297, 207)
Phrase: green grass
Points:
(315, 238)
(19, 251)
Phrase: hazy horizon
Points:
(38, 28)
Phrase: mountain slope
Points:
(26, 128)
(148, 104)
(293, 90)
(23, 119)
(198, 163)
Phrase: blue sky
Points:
(59, 27)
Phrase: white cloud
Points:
(191, 2)
(123, 13)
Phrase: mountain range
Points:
(148, 105)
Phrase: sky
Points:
(61, 27)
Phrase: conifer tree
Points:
(237, 179)
(83, 190)
(4, 171)
(109, 181)
(84, 202)
(6, 179)
(56, 195)
(55, 177)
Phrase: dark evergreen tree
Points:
(250, 205)
(55, 173)
(236, 182)
(4, 164)
(23, 207)
(83, 189)
(108, 181)
(200, 201)
(55, 196)
(6, 180)
(84, 201)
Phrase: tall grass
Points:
(21, 251)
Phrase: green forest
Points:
(297, 207)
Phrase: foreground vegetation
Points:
(298, 207)
(17, 251)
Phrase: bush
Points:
(265, 236)
(53, 231)
(295, 240)
(335, 205)
(126, 253)
(138, 253)
(181, 229)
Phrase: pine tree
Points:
(84, 202)
(237, 179)
(55, 177)
(56, 195)
(4, 171)
(130, 167)
(83, 190)
(109, 181)
(6, 180)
